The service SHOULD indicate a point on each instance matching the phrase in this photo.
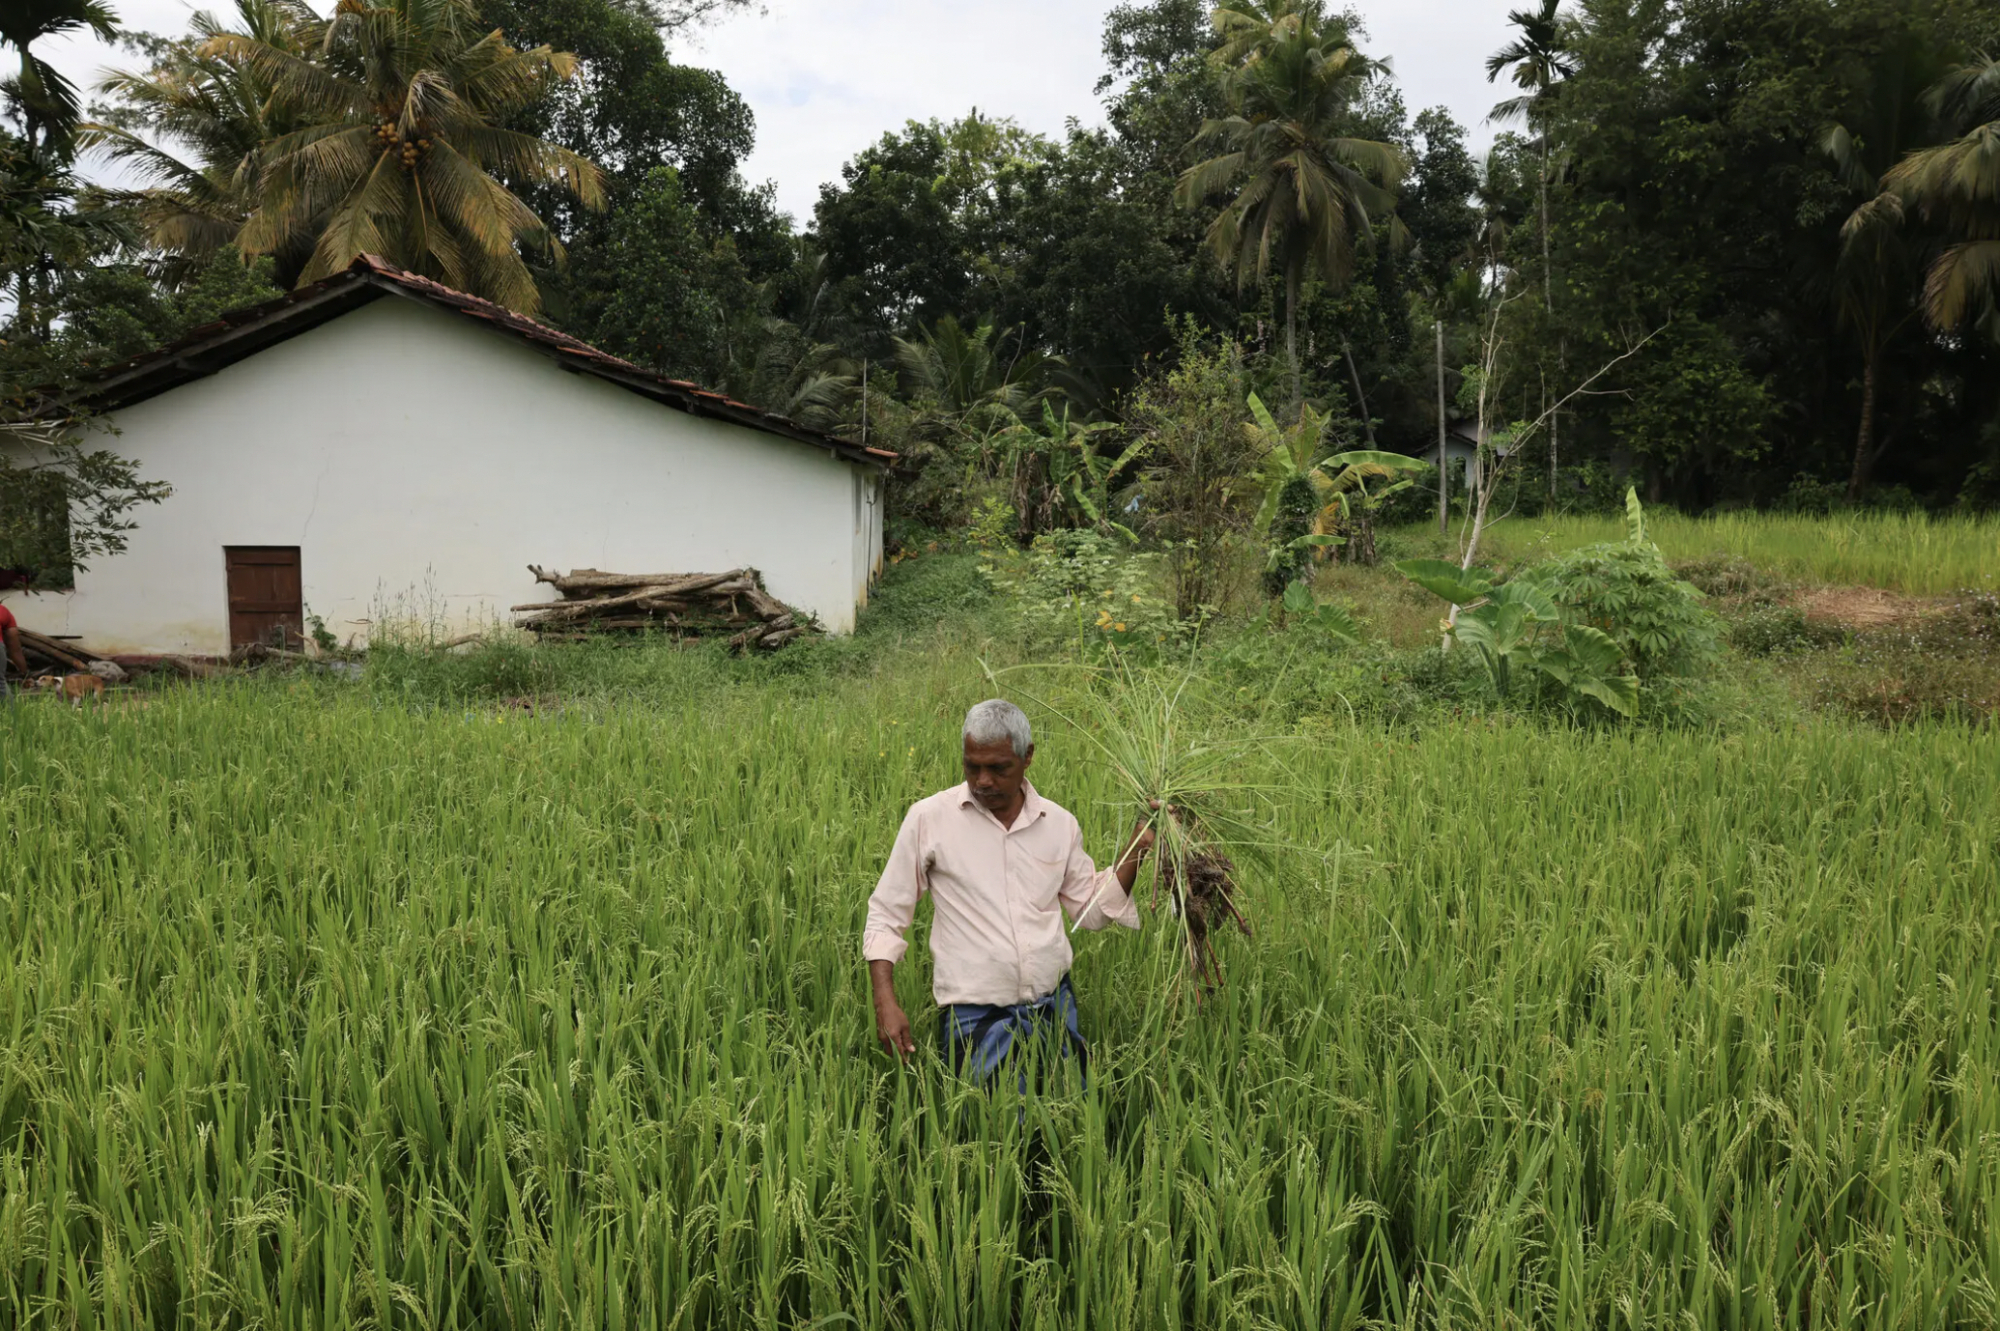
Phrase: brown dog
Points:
(74, 688)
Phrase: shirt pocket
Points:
(1039, 876)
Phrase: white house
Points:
(1462, 440)
(379, 446)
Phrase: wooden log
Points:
(72, 646)
(547, 611)
(263, 651)
(590, 579)
(646, 598)
(75, 660)
(192, 669)
(772, 641)
(757, 631)
(583, 628)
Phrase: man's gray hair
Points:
(996, 719)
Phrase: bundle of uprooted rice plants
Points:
(1146, 729)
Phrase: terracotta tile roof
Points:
(241, 333)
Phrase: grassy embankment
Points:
(320, 1009)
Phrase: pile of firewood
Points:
(683, 604)
(61, 656)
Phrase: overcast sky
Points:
(827, 77)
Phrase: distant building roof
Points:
(241, 333)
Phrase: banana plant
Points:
(1291, 462)
(1080, 481)
(1294, 453)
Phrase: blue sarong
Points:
(978, 1037)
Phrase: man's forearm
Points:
(1127, 867)
(882, 980)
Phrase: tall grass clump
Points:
(1902, 551)
(319, 1011)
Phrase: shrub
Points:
(1198, 453)
(1731, 576)
(917, 595)
(1781, 630)
(1628, 591)
(1811, 496)
(1087, 588)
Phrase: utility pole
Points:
(1444, 501)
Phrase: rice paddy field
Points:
(319, 1011)
(1906, 552)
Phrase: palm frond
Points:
(1964, 281)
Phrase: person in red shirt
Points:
(10, 633)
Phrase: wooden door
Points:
(265, 596)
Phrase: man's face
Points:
(994, 772)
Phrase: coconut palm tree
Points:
(217, 113)
(402, 151)
(1956, 187)
(1875, 276)
(963, 375)
(1540, 59)
(1307, 193)
(48, 101)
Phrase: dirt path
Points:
(1866, 607)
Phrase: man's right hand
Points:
(892, 1028)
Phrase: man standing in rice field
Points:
(1003, 867)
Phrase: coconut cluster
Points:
(409, 149)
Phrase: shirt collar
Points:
(1033, 806)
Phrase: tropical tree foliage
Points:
(1788, 200)
(193, 127)
(45, 99)
(1874, 277)
(380, 129)
(1307, 192)
(1956, 186)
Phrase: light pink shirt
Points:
(999, 896)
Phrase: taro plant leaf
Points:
(1336, 622)
(1505, 628)
(1530, 595)
(1587, 664)
(1592, 649)
(1459, 586)
(1486, 635)
(1618, 692)
(1302, 608)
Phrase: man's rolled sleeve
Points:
(1092, 897)
(892, 907)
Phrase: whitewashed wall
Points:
(421, 463)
